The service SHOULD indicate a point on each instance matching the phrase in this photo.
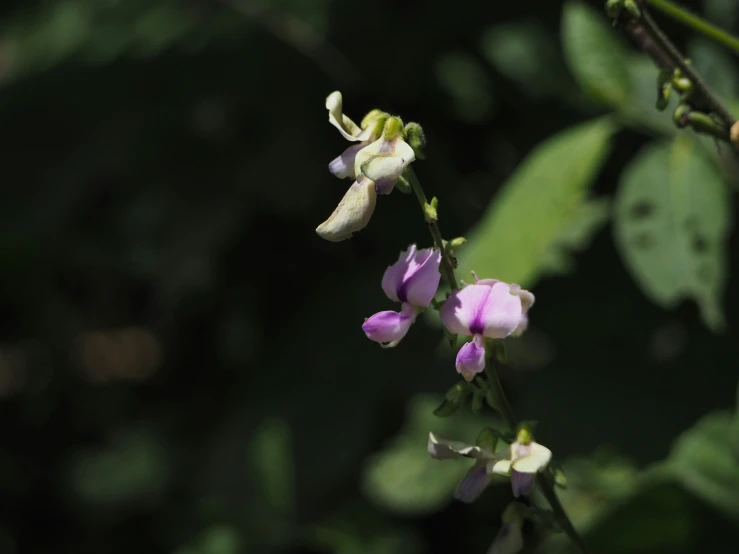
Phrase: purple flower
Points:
(488, 308)
(412, 281)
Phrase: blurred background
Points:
(182, 366)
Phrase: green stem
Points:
(429, 213)
(669, 49)
(542, 479)
(698, 24)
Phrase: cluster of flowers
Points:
(485, 309)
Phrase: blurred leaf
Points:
(272, 465)
(541, 207)
(132, 472)
(403, 477)
(522, 52)
(468, 84)
(721, 12)
(716, 66)
(705, 460)
(672, 218)
(595, 55)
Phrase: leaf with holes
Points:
(671, 223)
(541, 213)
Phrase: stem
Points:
(711, 100)
(698, 24)
(429, 213)
(542, 479)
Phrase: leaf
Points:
(595, 55)
(672, 219)
(705, 460)
(468, 84)
(272, 461)
(538, 205)
(716, 66)
(403, 478)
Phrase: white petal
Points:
(501, 467)
(442, 449)
(536, 460)
(352, 214)
(348, 129)
(384, 159)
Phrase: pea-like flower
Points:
(522, 460)
(375, 164)
(413, 281)
(487, 308)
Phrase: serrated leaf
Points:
(595, 55)
(671, 223)
(538, 205)
(705, 460)
(403, 478)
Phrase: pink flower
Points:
(488, 308)
(412, 281)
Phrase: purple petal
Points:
(522, 483)
(414, 278)
(473, 483)
(471, 358)
(343, 166)
(385, 186)
(384, 327)
(487, 308)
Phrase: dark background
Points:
(182, 367)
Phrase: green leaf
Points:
(541, 211)
(716, 66)
(705, 460)
(595, 55)
(468, 84)
(272, 463)
(672, 219)
(403, 478)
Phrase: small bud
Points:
(524, 435)
(457, 243)
(393, 128)
(632, 7)
(487, 439)
(430, 213)
(681, 115)
(416, 138)
(453, 399)
(664, 87)
(373, 117)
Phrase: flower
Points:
(522, 460)
(487, 308)
(413, 281)
(479, 475)
(375, 163)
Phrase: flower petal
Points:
(471, 358)
(343, 166)
(414, 278)
(501, 467)
(385, 186)
(352, 214)
(394, 275)
(509, 539)
(348, 129)
(538, 458)
(521, 482)
(389, 326)
(443, 449)
(473, 483)
(485, 308)
(384, 159)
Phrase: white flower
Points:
(522, 460)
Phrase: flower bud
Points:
(416, 138)
(487, 439)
